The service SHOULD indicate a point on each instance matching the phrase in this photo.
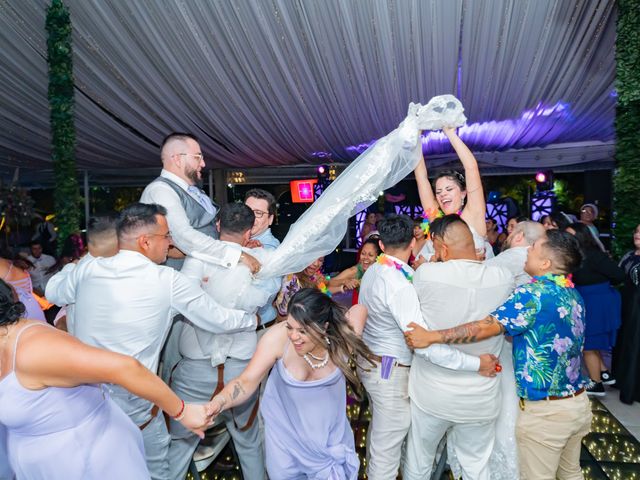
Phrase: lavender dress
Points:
(68, 433)
(24, 289)
(307, 433)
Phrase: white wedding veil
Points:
(321, 228)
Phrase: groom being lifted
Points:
(546, 319)
(392, 304)
(454, 290)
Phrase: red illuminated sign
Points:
(302, 190)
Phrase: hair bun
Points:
(12, 314)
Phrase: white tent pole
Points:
(86, 199)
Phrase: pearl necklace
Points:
(315, 366)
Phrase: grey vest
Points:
(199, 218)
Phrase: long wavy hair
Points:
(325, 320)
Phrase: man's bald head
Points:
(181, 155)
(174, 144)
(452, 239)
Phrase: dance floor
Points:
(609, 452)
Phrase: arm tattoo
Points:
(237, 391)
(470, 332)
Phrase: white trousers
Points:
(390, 419)
(472, 442)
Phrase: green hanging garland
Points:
(626, 180)
(63, 133)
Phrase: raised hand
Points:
(449, 131)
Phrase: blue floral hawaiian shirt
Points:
(546, 321)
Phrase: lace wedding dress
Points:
(323, 226)
(503, 463)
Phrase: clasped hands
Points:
(199, 417)
(418, 337)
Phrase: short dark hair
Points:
(518, 218)
(138, 215)
(565, 250)
(560, 219)
(100, 225)
(178, 136)
(440, 226)
(236, 218)
(35, 242)
(263, 195)
(396, 231)
(584, 236)
(454, 175)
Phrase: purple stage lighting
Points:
(322, 169)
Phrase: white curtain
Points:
(279, 82)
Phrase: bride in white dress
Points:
(454, 193)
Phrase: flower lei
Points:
(385, 260)
(429, 216)
(560, 280)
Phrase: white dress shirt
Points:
(126, 304)
(39, 276)
(184, 236)
(513, 259)
(233, 288)
(452, 293)
(70, 309)
(392, 303)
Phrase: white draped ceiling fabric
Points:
(286, 82)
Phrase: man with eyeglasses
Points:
(190, 212)
(263, 205)
(191, 217)
(126, 304)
